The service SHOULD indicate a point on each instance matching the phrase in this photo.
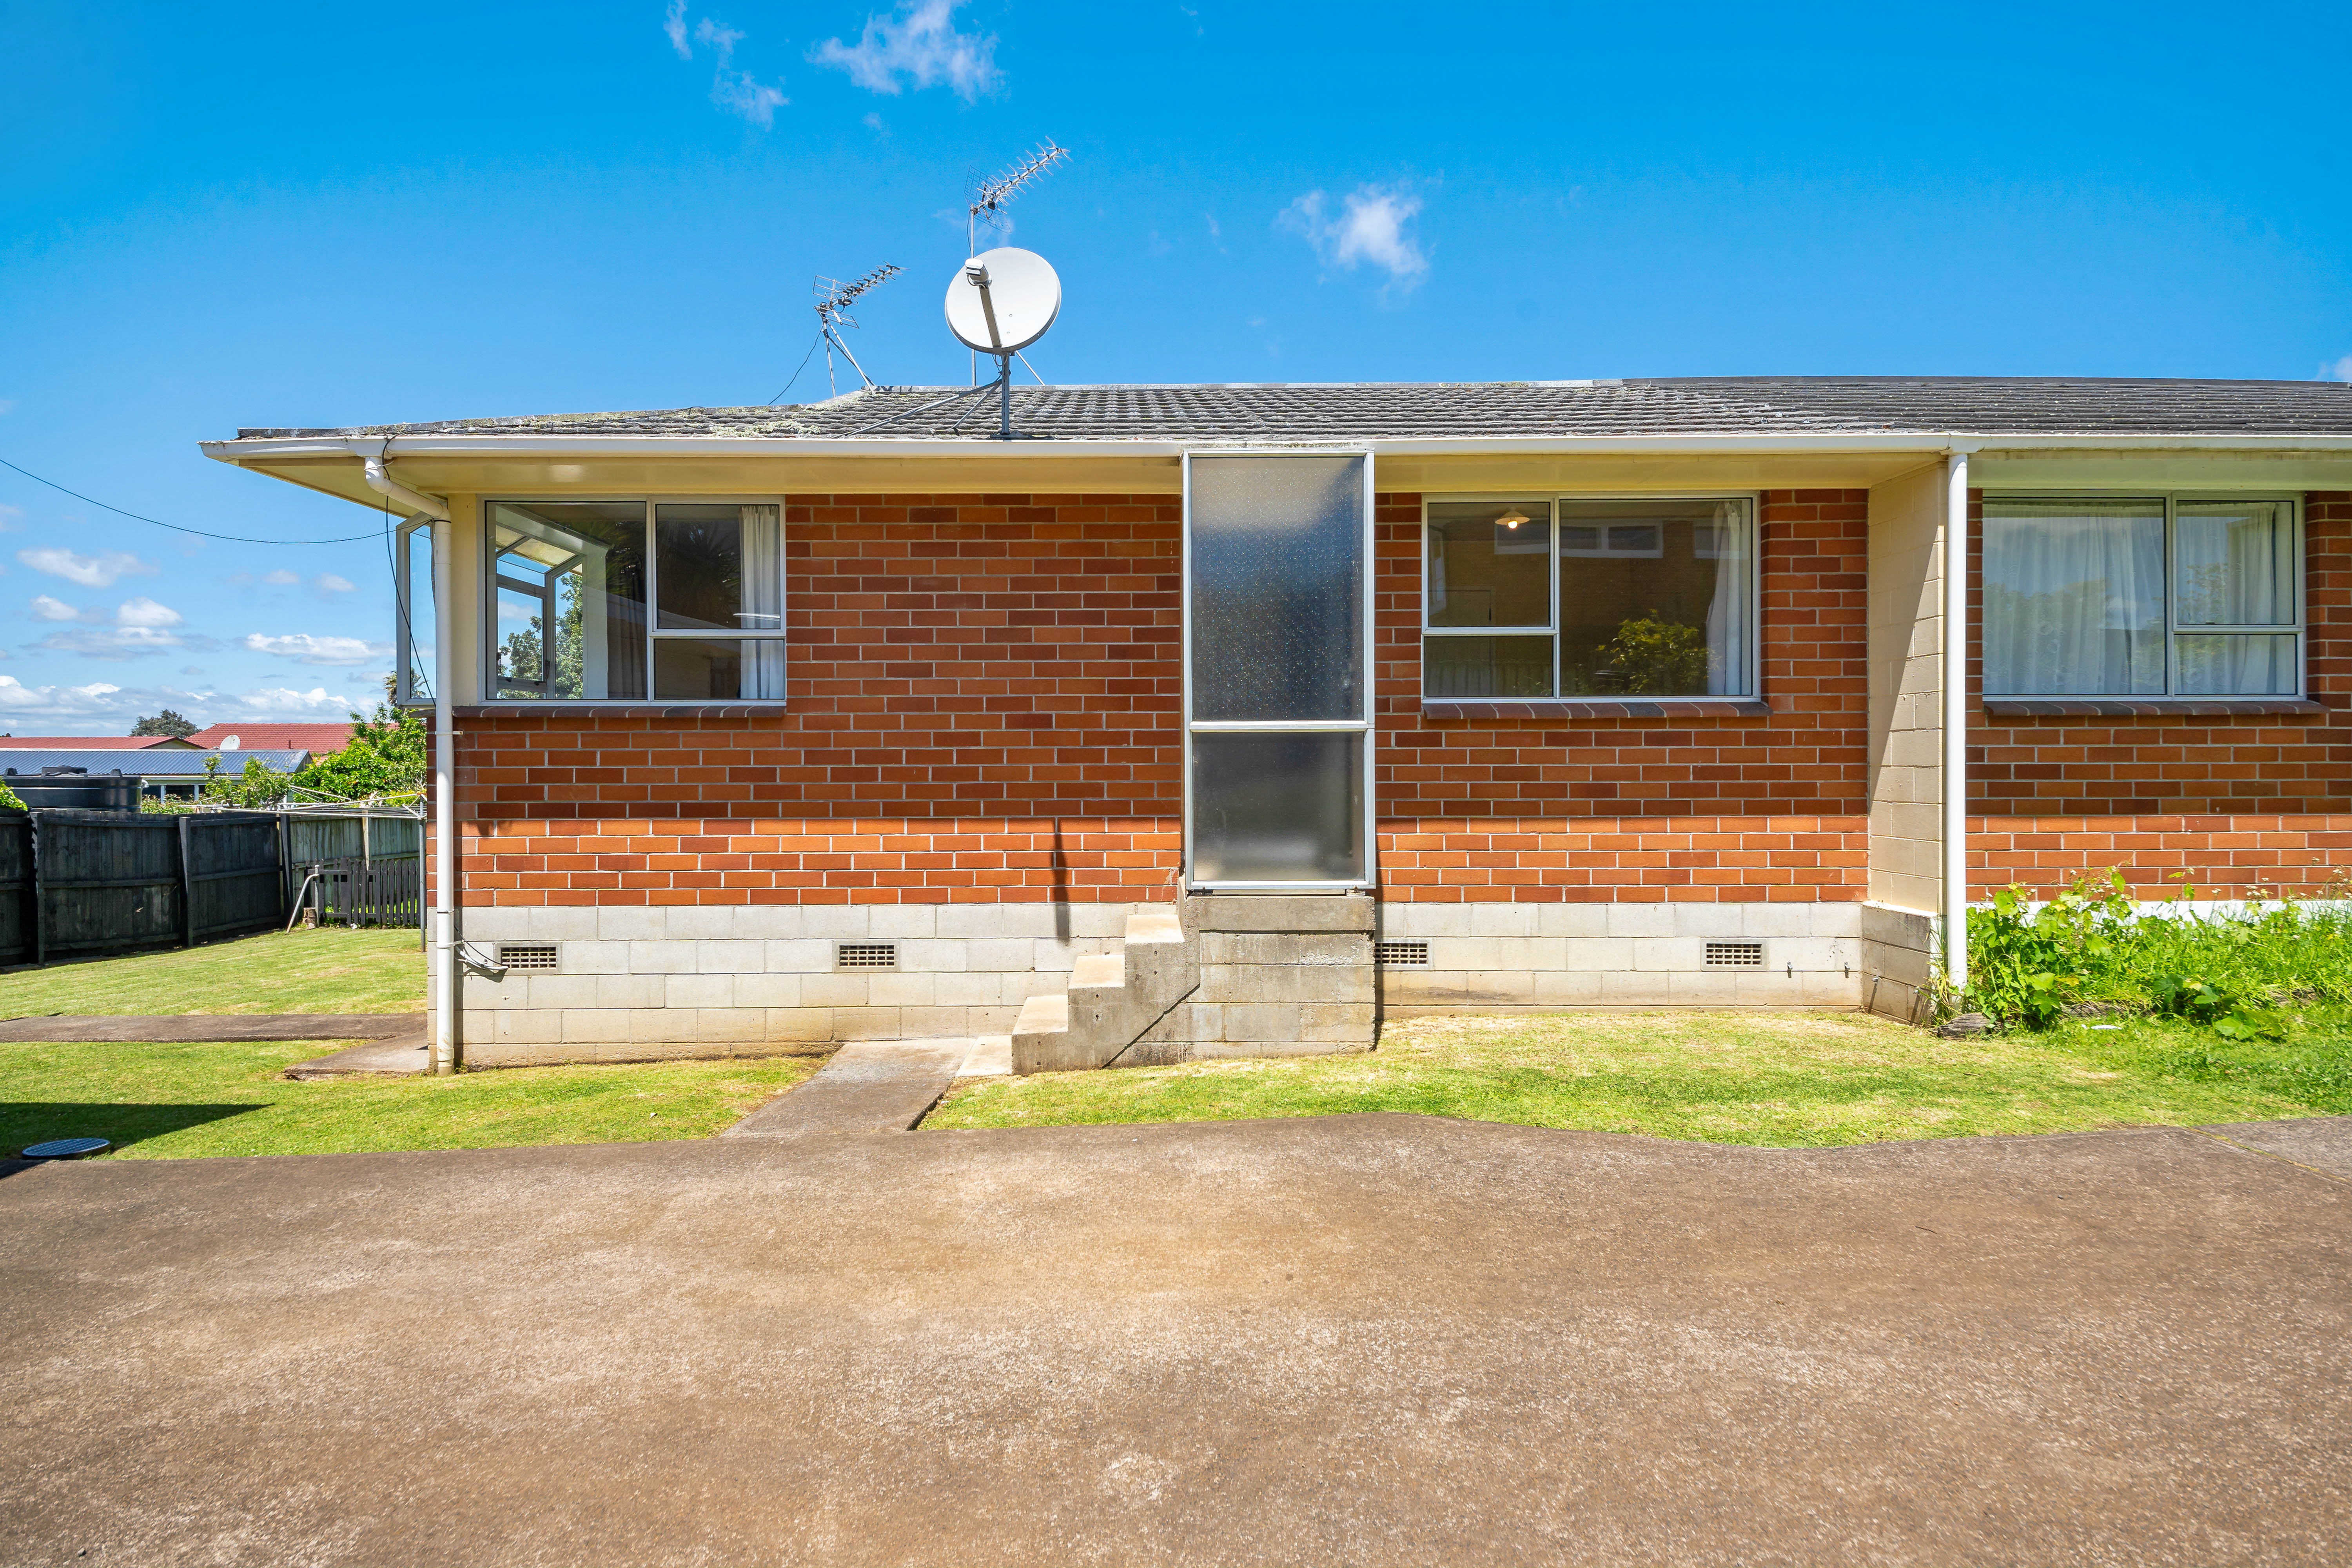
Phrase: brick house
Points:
(1228, 718)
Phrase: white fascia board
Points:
(537, 445)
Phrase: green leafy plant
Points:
(2029, 966)
(1652, 655)
(10, 800)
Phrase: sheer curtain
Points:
(1726, 611)
(2236, 564)
(2073, 597)
(764, 601)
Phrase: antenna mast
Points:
(990, 197)
(833, 301)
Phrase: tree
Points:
(167, 722)
(385, 756)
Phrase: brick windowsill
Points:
(2145, 706)
(618, 711)
(1596, 708)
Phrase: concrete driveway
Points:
(1362, 1340)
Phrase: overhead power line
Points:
(159, 523)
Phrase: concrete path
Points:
(1371, 1339)
(867, 1085)
(214, 1027)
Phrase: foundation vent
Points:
(866, 955)
(526, 955)
(1402, 954)
(1735, 956)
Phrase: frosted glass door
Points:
(1277, 700)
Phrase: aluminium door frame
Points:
(1368, 569)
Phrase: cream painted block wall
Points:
(1906, 657)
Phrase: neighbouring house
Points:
(1229, 718)
(319, 740)
(164, 772)
(93, 743)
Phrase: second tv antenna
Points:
(833, 299)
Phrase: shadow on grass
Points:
(23, 1121)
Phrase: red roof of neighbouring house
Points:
(88, 742)
(316, 739)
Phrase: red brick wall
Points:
(984, 700)
(2227, 804)
(1620, 809)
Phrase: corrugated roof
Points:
(157, 764)
(1986, 406)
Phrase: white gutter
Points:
(1955, 880)
(446, 976)
(267, 449)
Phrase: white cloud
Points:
(919, 43)
(116, 642)
(738, 93)
(90, 571)
(63, 701)
(1374, 225)
(10, 516)
(305, 648)
(282, 578)
(328, 582)
(2340, 370)
(145, 612)
(50, 609)
(283, 703)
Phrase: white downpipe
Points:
(443, 942)
(1955, 720)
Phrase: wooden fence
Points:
(95, 881)
(360, 891)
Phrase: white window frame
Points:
(405, 690)
(654, 631)
(2172, 628)
(1367, 594)
(1750, 674)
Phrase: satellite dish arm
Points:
(977, 276)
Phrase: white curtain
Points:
(764, 601)
(1726, 611)
(2073, 597)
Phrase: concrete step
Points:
(1113, 998)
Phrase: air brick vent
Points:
(1402, 954)
(866, 955)
(1735, 956)
(526, 955)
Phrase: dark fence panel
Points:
(233, 874)
(105, 881)
(15, 888)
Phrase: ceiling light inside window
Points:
(1512, 519)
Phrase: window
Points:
(2141, 596)
(1577, 596)
(413, 614)
(571, 580)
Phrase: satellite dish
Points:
(1002, 300)
(231, 742)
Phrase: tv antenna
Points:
(992, 194)
(833, 299)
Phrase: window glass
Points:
(416, 612)
(1489, 564)
(2073, 595)
(718, 568)
(1277, 574)
(2234, 562)
(1487, 666)
(2237, 666)
(1278, 808)
(706, 670)
(1654, 597)
(568, 599)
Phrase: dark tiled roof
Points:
(1988, 405)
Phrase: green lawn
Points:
(1777, 1078)
(327, 971)
(173, 1101)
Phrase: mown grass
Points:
(1778, 1079)
(175, 1102)
(327, 971)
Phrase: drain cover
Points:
(65, 1148)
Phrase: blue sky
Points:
(280, 215)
